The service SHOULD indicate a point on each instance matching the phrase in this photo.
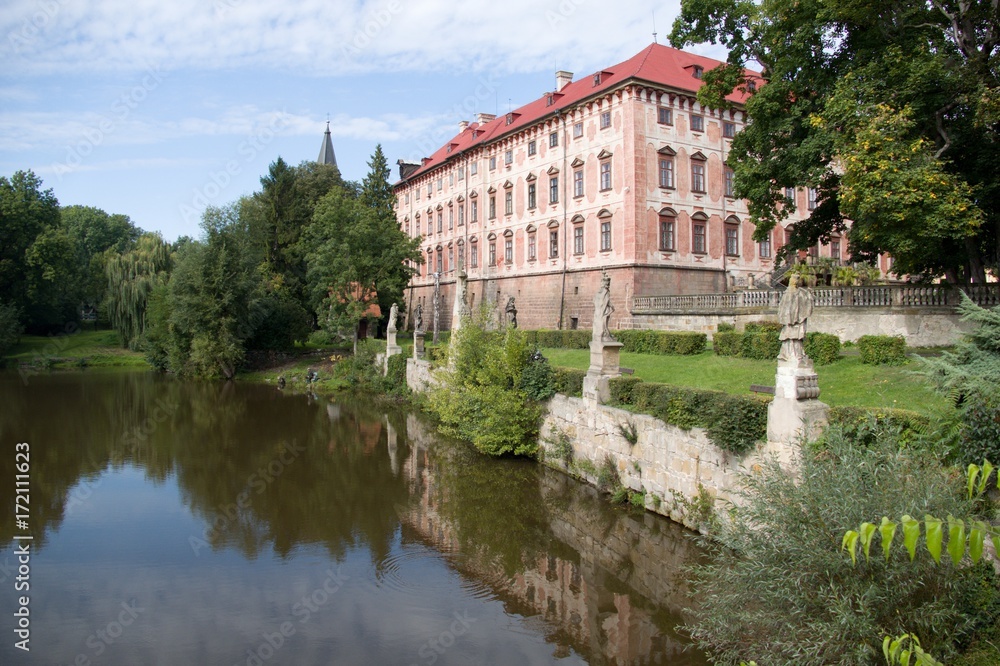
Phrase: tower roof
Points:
(326, 155)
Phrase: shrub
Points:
(980, 438)
(864, 425)
(394, 382)
(569, 381)
(538, 381)
(734, 423)
(725, 327)
(727, 343)
(762, 327)
(565, 339)
(778, 588)
(762, 345)
(661, 342)
(822, 348)
(882, 349)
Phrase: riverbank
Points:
(73, 349)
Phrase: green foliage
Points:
(280, 322)
(896, 651)
(882, 349)
(778, 588)
(980, 431)
(727, 343)
(10, 327)
(538, 380)
(569, 381)
(866, 425)
(628, 432)
(893, 121)
(661, 342)
(608, 478)
(762, 326)
(822, 348)
(480, 396)
(725, 327)
(130, 278)
(734, 423)
(562, 448)
(564, 339)
(759, 340)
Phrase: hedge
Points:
(863, 423)
(762, 345)
(681, 343)
(822, 348)
(734, 423)
(569, 381)
(882, 349)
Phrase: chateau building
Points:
(622, 170)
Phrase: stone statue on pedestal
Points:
(603, 310)
(794, 309)
(511, 311)
(393, 316)
(418, 323)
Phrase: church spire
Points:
(326, 155)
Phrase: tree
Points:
(890, 111)
(354, 258)
(98, 237)
(130, 279)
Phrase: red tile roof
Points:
(658, 64)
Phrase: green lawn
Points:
(845, 382)
(92, 348)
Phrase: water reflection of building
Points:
(594, 596)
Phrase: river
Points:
(176, 522)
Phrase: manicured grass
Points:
(845, 382)
(90, 348)
(295, 372)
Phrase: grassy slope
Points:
(99, 348)
(846, 382)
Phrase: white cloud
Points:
(324, 38)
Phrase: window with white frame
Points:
(699, 240)
(474, 212)
(508, 202)
(578, 182)
(532, 148)
(668, 231)
(664, 116)
(605, 234)
(508, 156)
(577, 130)
(493, 207)
(697, 123)
(812, 201)
(728, 129)
(508, 250)
(605, 175)
(532, 247)
(553, 243)
(493, 253)
(697, 175)
(474, 254)
(732, 239)
(730, 187)
(531, 195)
(553, 139)
(553, 189)
(666, 172)
(605, 119)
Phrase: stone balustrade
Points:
(876, 296)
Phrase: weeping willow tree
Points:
(132, 276)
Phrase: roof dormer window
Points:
(697, 71)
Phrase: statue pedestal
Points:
(418, 344)
(795, 411)
(604, 364)
(391, 349)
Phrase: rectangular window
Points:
(764, 248)
(790, 194)
(553, 243)
(605, 175)
(493, 253)
(475, 212)
(667, 172)
(493, 207)
(508, 157)
(730, 188)
(532, 148)
(554, 189)
(451, 258)
(577, 130)
(812, 198)
(664, 116)
(728, 129)
(451, 218)
(493, 162)
(553, 139)
(440, 221)
(451, 179)
(698, 238)
(605, 119)
(531, 195)
(697, 123)
(440, 183)
(461, 215)
(578, 183)
(461, 255)
(666, 233)
(835, 248)
(440, 261)
(508, 250)
(474, 257)
(578, 239)
(508, 203)
(474, 168)
(461, 173)
(417, 191)
(430, 190)
(605, 235)
(697, 176)
(532, 251)
(732, 240)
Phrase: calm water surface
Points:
(200, 523)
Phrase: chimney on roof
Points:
(463, 125)
(563, 79)
(483, 118)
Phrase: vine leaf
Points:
(956, 539)
(977, 535)
(867, 533)
(935, 536)
(888, 531)
(911, 534)
(850, 544)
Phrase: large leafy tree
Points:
(130, 280)
(98, 238)
(891, 111)
(356, 258)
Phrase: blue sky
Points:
(155, 109)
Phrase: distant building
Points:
(326, 154)
(621, 170)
